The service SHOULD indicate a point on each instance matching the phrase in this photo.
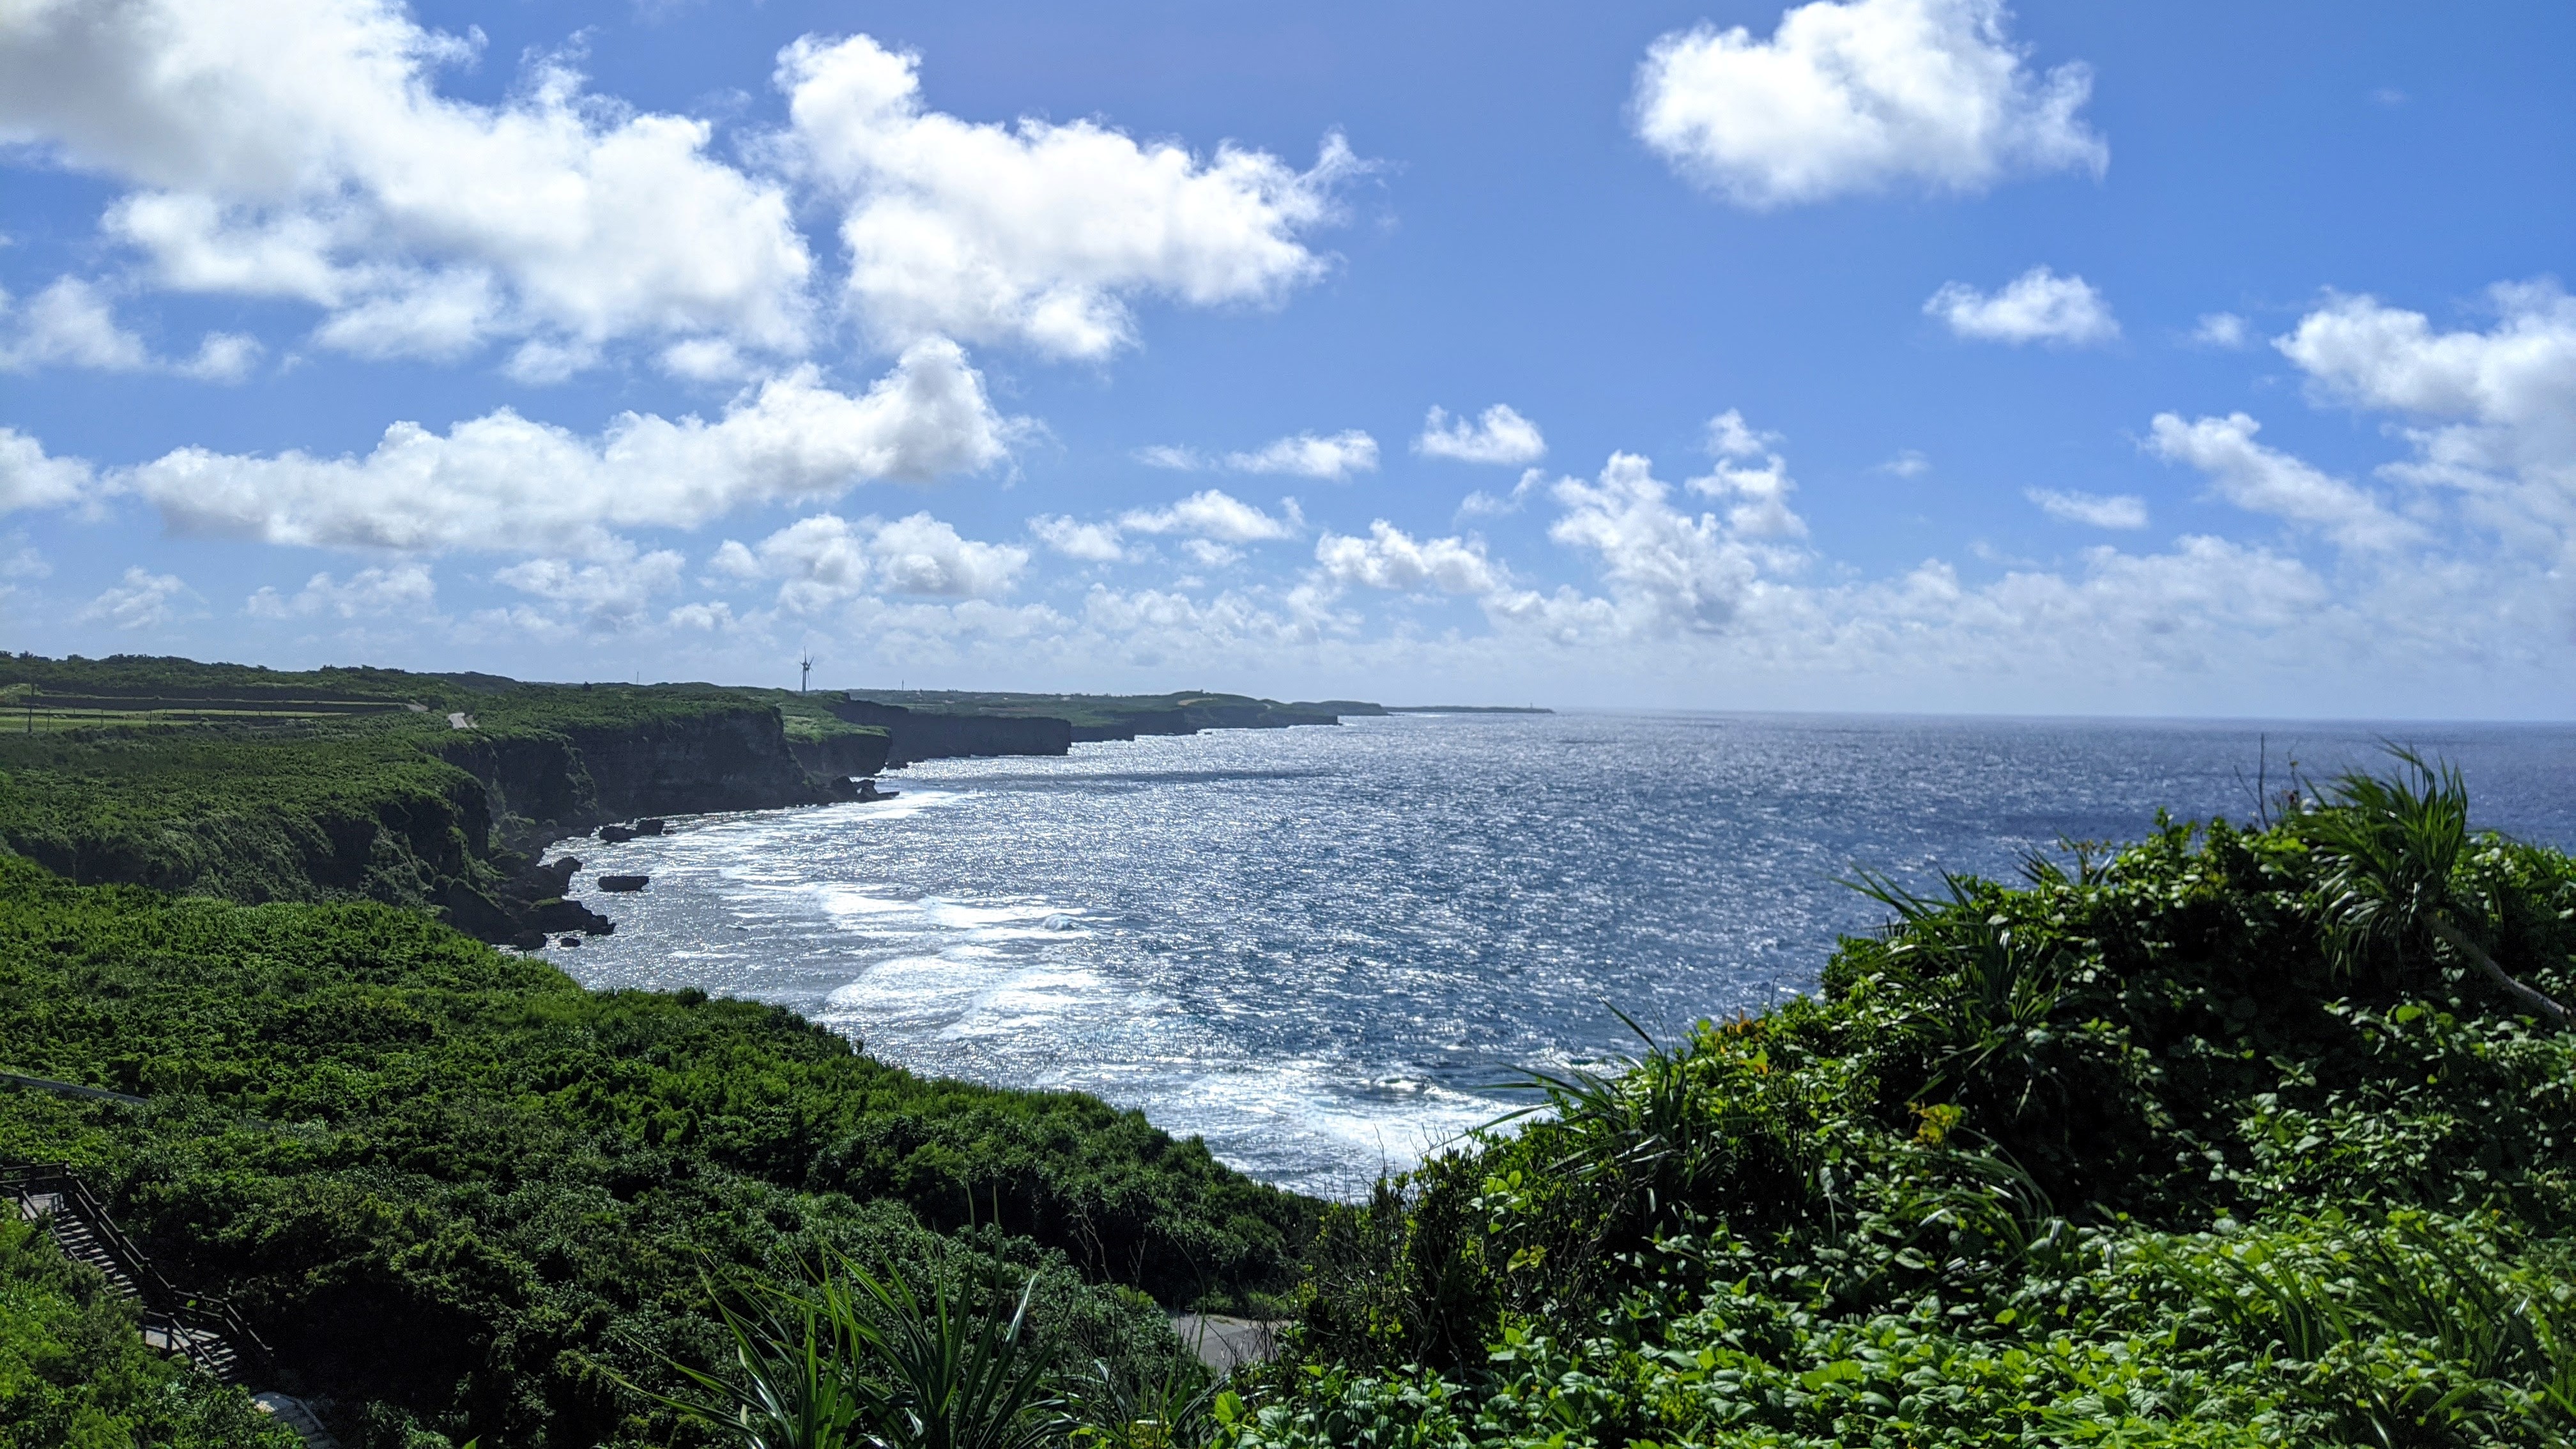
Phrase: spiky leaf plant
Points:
(853, 1359)
(2389, 850)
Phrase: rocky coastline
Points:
(569, 783)
(444, 792)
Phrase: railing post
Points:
(186, 1314)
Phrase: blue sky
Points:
(1894, 354)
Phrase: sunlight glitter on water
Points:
(1321, 949)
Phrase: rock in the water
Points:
(539, 882)
(562, 915)
(623, 882)
(569, 941)
(618, 834)
(650, 827)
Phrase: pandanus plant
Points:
(2389, 852)
(854, 1361)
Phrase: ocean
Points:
(1325, 950)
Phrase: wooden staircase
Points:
(204, 1331)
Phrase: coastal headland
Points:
(454, 1193)
(439, 791)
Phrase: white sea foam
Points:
(1319, 948)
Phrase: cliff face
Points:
(928, 724)
(842, 756)
(733, 759)
(1190, 718)
(536, 778)
(541, 784)
(1260, 716)
(568, 778)
(1138, 722)
(917, 736)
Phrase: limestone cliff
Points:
(841, 757)
(567, 774)
(568, 777)
(918, 735)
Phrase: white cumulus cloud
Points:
(68, 324)
(1210, 523)
(826, 560)
(1211, 514)
(1389, 558)
(1090, 542)
(29, 478)
(1501, 435)
(2222, 330)
(222, 357)
(2490, 414)
(1037, 233)
(505, 483)
(1481, 504)
(301, 149)
(2267, 480)
(1172, 456)
(2093, 510)
(2037, 306)
(1667, 569)
(1332, 458)
(1760, 492)
(1859, 97)
(143, 600)
(72, 324)
(713, 617)
(1308, 456)
(403, 589)
(611, 592)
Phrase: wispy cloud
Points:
(2093, 510)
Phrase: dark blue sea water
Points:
(1319, 948)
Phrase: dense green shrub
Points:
(352, 810)
(2142, 1151)
(74, 1373)
(451, 1182)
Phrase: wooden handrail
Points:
(195, 1312)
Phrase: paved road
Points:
(1222, 1343)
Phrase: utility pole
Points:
(805, 675)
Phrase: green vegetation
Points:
(74, 1373)
(354, 784)
(2235, 1136)
(355, 810)
(808, 721)
(145, 681)
(2231, 1137)
(854, 1359)
(461, 1194)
